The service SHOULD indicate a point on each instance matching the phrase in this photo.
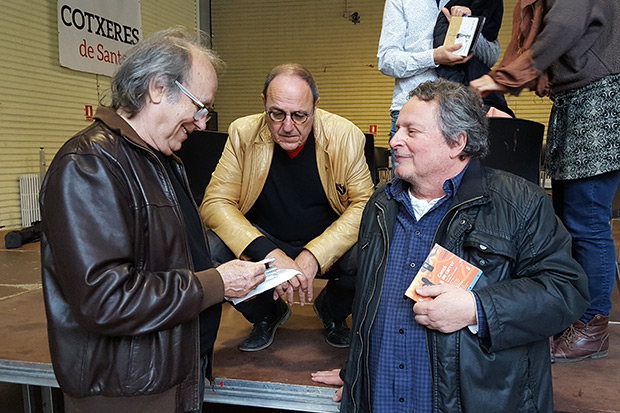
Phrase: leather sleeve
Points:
(95, 226)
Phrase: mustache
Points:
(401, 153)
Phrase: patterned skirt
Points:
(583, 138)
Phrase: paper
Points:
(274, 276)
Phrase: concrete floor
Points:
(299, 348)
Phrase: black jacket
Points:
(121, 298)
(530, 289)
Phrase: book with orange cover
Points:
(443, 267)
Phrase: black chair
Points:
(515, 146)
(200, 154)
(369, 154)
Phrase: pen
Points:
(267, 261)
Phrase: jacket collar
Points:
(473, 185)
(118, 125)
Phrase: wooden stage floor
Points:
(298, 350)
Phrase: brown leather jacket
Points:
(121, 298)
(243, 168)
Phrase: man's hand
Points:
(240, 277)
(286, 290)
(309, 268)
(331, 377)
(451, 309)
(444, 55)
(485, 85)
(457, 11)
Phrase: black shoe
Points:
(337, 333)
(263, 332)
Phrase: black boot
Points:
(337, 333)
(263, 332)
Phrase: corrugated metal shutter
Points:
(41, 103)
(253, 36)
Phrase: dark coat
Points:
(530, 289)
(121, 297)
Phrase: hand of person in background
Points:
(457, 11)
(444, 55)
(331, 377)
(240, 277)
(485, 85)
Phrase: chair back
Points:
(515, 146)
(200, 154)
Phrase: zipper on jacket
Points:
(430, 335)
(380, 216)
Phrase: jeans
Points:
(394, 114)
(584, 206)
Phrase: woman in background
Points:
(568, 50)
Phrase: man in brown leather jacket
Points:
(127, 276)
(291, 184)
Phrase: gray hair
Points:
(166, 56)
(295, 70)
(460, 110)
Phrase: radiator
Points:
(29, 186)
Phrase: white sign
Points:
(93, 35)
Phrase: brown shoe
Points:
(581, 341)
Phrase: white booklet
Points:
(274, 276)
(464, 30)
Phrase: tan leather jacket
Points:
(243, 168)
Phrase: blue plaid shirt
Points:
(399, 365)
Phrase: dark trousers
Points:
(336, 297)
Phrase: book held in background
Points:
(464, 30)
(443, 267)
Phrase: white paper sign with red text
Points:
(93, 35)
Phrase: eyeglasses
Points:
(298, 118)
(203, 111)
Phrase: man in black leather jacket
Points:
(131, 298)
(477, 351)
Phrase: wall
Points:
(253, 36)
(41, 103)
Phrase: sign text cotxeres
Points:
(84, 20)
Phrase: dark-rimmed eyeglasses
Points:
(203, 111)
(298, 118)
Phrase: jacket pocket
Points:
(492, 253)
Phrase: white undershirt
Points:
(421, 206)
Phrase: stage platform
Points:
(276, 378)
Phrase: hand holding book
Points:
(443, 267)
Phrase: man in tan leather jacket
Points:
(291, 184)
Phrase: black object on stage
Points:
(16, 239)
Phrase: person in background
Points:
(127, 277)
(291, 184)
(406, 50)
(569, 51)
(492, 11)
(482, 350)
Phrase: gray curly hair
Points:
(165, 55)
(460, 110)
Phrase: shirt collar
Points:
(397, 188)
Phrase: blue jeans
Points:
(394, 114)
(584, 206)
